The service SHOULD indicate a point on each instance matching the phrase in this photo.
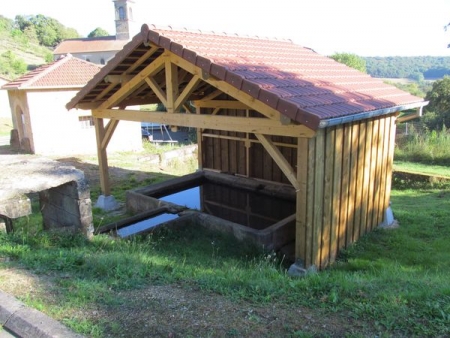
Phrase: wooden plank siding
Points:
(345, 187)
(343, 175)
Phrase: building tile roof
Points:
(65, 72)
(296, 81)
(89, 45)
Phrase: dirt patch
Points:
(177, 311)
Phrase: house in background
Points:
(4, 105)
(101, 49)
(44, 126)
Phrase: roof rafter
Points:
(227, 88)
(134, 83)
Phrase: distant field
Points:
(397, 80)
(5, 126)
(405, 80)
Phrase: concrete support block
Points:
(388, 221)
(107, 203)
(298, 269)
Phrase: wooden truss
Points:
(167, 90)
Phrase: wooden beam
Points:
(228, 123)
(109, 131)
(103, 93)
(157, 90)
(243, 139)
(212, 95)
(143, 58)
(102, 157)
(199, 146)
(188, 108)
(190, 87)
(116, 79)
(279, 159)
(220, 104)
(134, 83)
(228, 89)
(171, 85)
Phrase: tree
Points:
(98, 32)
(6, 24)
(49, 31)
(351, 60)
(438, 110)
(11, 65)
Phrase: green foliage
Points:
(98, 32)
(431, 147)
(24, 36)
(437, 113)
(12, 66)
(415, 88)
(49, 31)
(415, 67)
(6, 25)
(351, 60)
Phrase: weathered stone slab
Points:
(63, 192)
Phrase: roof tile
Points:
(218, 71)
(203, 63)
(86, 45)
(250, 88)
(296, 81)
(189, 55)
(65, 72)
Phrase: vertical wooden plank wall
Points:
(242, 153)
(344, 174)
(346, 183)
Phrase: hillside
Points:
(32, 54)
(411, 67)
(27, 42)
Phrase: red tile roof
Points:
(89, 45)
(65, 72)
(296, 81)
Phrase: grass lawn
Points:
(395, 282)
(5, 126)
(414, 167)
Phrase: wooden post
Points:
(171, 88)
(319, 173)
(199, 143)
(336, 223)
(301, 200)
(102, 157)
(325, 252)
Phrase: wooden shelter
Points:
(266, 109)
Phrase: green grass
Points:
(396, 281)
(5, 126)
(414, 167)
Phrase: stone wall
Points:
(67, 207)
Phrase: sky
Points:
(365, 28)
